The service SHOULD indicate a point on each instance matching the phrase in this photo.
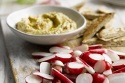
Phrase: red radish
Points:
(117, 78)
(45, 67)
(98, 46)
(82, 48)
(43, 75)
(98, 51)
(76, 53)
(38, 55)
(99, 78)
(71, 77)
(74, 68)
(102, 66)
(90, 58)
(84, 78)
(47, 58)
(88, 67)
(112, 55)
(63, 57)
(62, 77)
(33, 79)
(118, 64)
(120, 70)
(120, 54)
(59, 68)
(107, 58)
(57, 49)
(107, 72)
(57, 62)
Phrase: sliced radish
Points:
(107, 58)
(33, 79)
(43, 75)
(38, 55)
(98, 46)
(112, 55)
(47, 58)
(57, 49)
(120, 54)
(117, 78)
(62, 77)
(58, 62)
(88, 67)
(98, 51)
(99, 78)
(84, 78)
(76, 53)
(91, 58)
(118, 64)
(45, 67)
(82, 48)
(119, 70)
(59, 68)
(64, 57)
(74, 68)
(107, 72)
(71, 77)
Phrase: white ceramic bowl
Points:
(14, 17)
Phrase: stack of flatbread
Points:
(98, 29)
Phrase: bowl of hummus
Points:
(46, 25)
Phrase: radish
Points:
(82, 48)
(57, 62)
(100, 78)
(119, 70)
(98, 46)
(76, 53)
(120, 54)
(71, 77)
(117, 78)
(118, 64)
(59, 68)
(47, 58)
(45, 67)
(107, 58)
(33, 79)
(107, 72)
(90, 58)
(43, 75)
(87, 67)
(62, 77)
(64, 57)
(98, 51)
(84, 78)
(74, 68)
(38, 55)
(112, 55)
(57, 49)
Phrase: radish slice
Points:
(98, 46)
(120, 70)
(117, 78)
(38, 55)
(76, 53)
(120, 54)
(43, 75)
(82, 48)
(74, 68)
(84, 78)
(45, 67)
(56, 73)
(71, 77)
(63, 57)
(58, 62)
(33, 79)
(107, 72)
(112, 55)
(57, 49)
(98, 51)
(47, 58)
(119, 64)
(107, 58)
(59, 68)
(100, 78)
(88, 67)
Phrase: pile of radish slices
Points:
(83, 64)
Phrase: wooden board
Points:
(19, 53)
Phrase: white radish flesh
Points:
(84, 78)
(47, 58)
(107, 58)
(118, 64)
(33, 79)
(57, 49)
(58, 62)
(45, 67)
(76, 53)
(43, 75)
(117, 78)
(107, 72)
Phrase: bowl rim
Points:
(61, 34)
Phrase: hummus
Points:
(48, 23)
